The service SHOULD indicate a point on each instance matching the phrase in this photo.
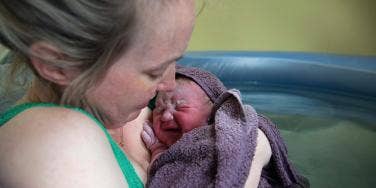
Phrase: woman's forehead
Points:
(163, 31)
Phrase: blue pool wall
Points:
(346, 74)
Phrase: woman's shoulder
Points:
(62, 145)
(46, 126)
(50, 118)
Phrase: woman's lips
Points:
(145, 104)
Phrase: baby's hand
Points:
(148, 136)
(151, 141)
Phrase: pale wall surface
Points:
(334, 26)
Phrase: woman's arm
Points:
(261, 158)
(56, 147)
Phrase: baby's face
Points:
(180, 111)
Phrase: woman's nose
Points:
(168, 81)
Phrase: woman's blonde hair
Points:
(89, 33)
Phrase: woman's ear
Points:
(42, 54)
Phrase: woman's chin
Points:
(132, 116)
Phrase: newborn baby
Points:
(175, 113)
(202, 135)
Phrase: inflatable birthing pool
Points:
(324, 106)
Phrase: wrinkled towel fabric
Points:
(220, 153)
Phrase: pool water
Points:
(331, 137)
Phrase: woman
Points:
(108, 58)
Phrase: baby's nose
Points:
(167, 115)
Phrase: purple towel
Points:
(220, 153)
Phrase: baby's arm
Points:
(152, 143)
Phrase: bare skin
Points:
(131, 143)
(183, 109)
(57, 147)
(59, 136)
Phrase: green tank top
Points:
(125, 165)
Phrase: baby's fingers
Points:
(148, 136)
(147, 139)
(147, 128)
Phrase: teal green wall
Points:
(334, 26)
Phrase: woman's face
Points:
(179, 111)
(147, 67)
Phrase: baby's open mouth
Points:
(170, 127)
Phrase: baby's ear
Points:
(43, 54)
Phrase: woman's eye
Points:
(154, 76)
